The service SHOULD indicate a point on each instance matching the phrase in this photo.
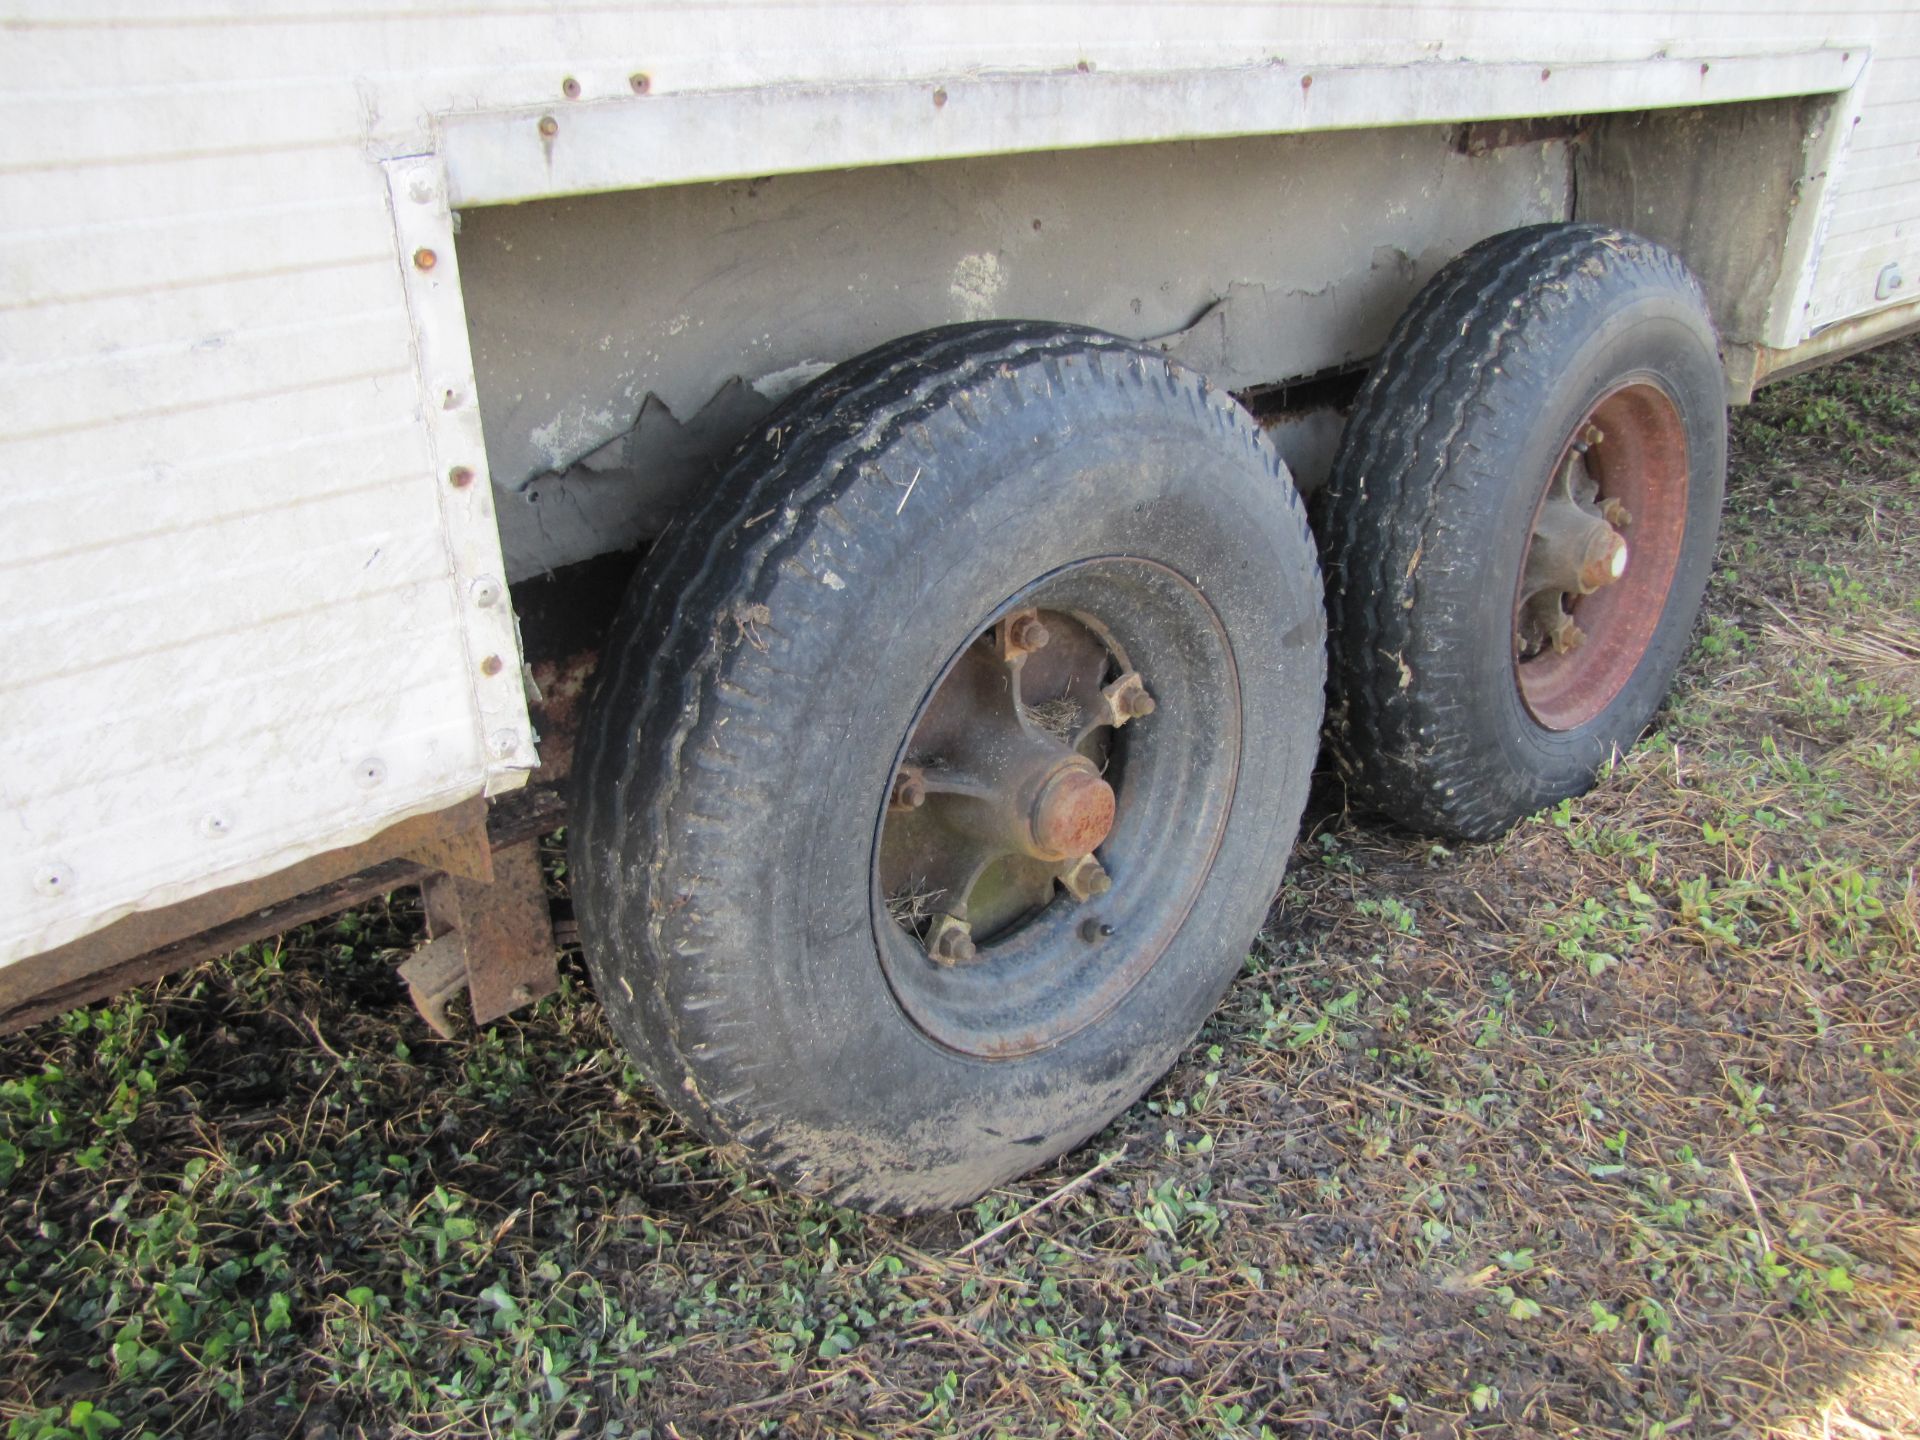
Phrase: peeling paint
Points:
(573, 432)
(977, 283)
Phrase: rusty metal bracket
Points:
(466, 853)
(494, 940)
(435, 974)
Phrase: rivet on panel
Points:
(54, 879)
(424, 259)
(460, 477)
(504, 743)
(370, 772)
(492, 666)
(570, 88)
(549, 126)
(485, 592)
(214, 826)
(939, 98)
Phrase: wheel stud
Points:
(1085, 879)
(909, 789)
(1127, 699)
(1615, 514)
(1093, 931)
(950, 941)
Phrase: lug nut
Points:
(1565, 636)
(1085, 879)
(950, 941)
(1026, 632)
(1127, 699)
(909, 789)
(1615, 514)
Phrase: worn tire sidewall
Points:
(1101, 465)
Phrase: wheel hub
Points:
(1002, 800)
(1601, 556)
(1575, 550)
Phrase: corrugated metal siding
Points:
(231, 573)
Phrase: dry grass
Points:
(1058, 718)
(1608, 1129)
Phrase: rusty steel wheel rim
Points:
(1601, 555)
(1055, 806)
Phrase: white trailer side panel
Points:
(244, 616)
(1874, 208)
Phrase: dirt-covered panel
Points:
(1718, 185)
(623, 342)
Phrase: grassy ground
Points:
(1608, 1129)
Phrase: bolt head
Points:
(425, 259)
(460, 476)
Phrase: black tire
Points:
(1427, 517)
(736, 760)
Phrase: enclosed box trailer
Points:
(949, 743)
